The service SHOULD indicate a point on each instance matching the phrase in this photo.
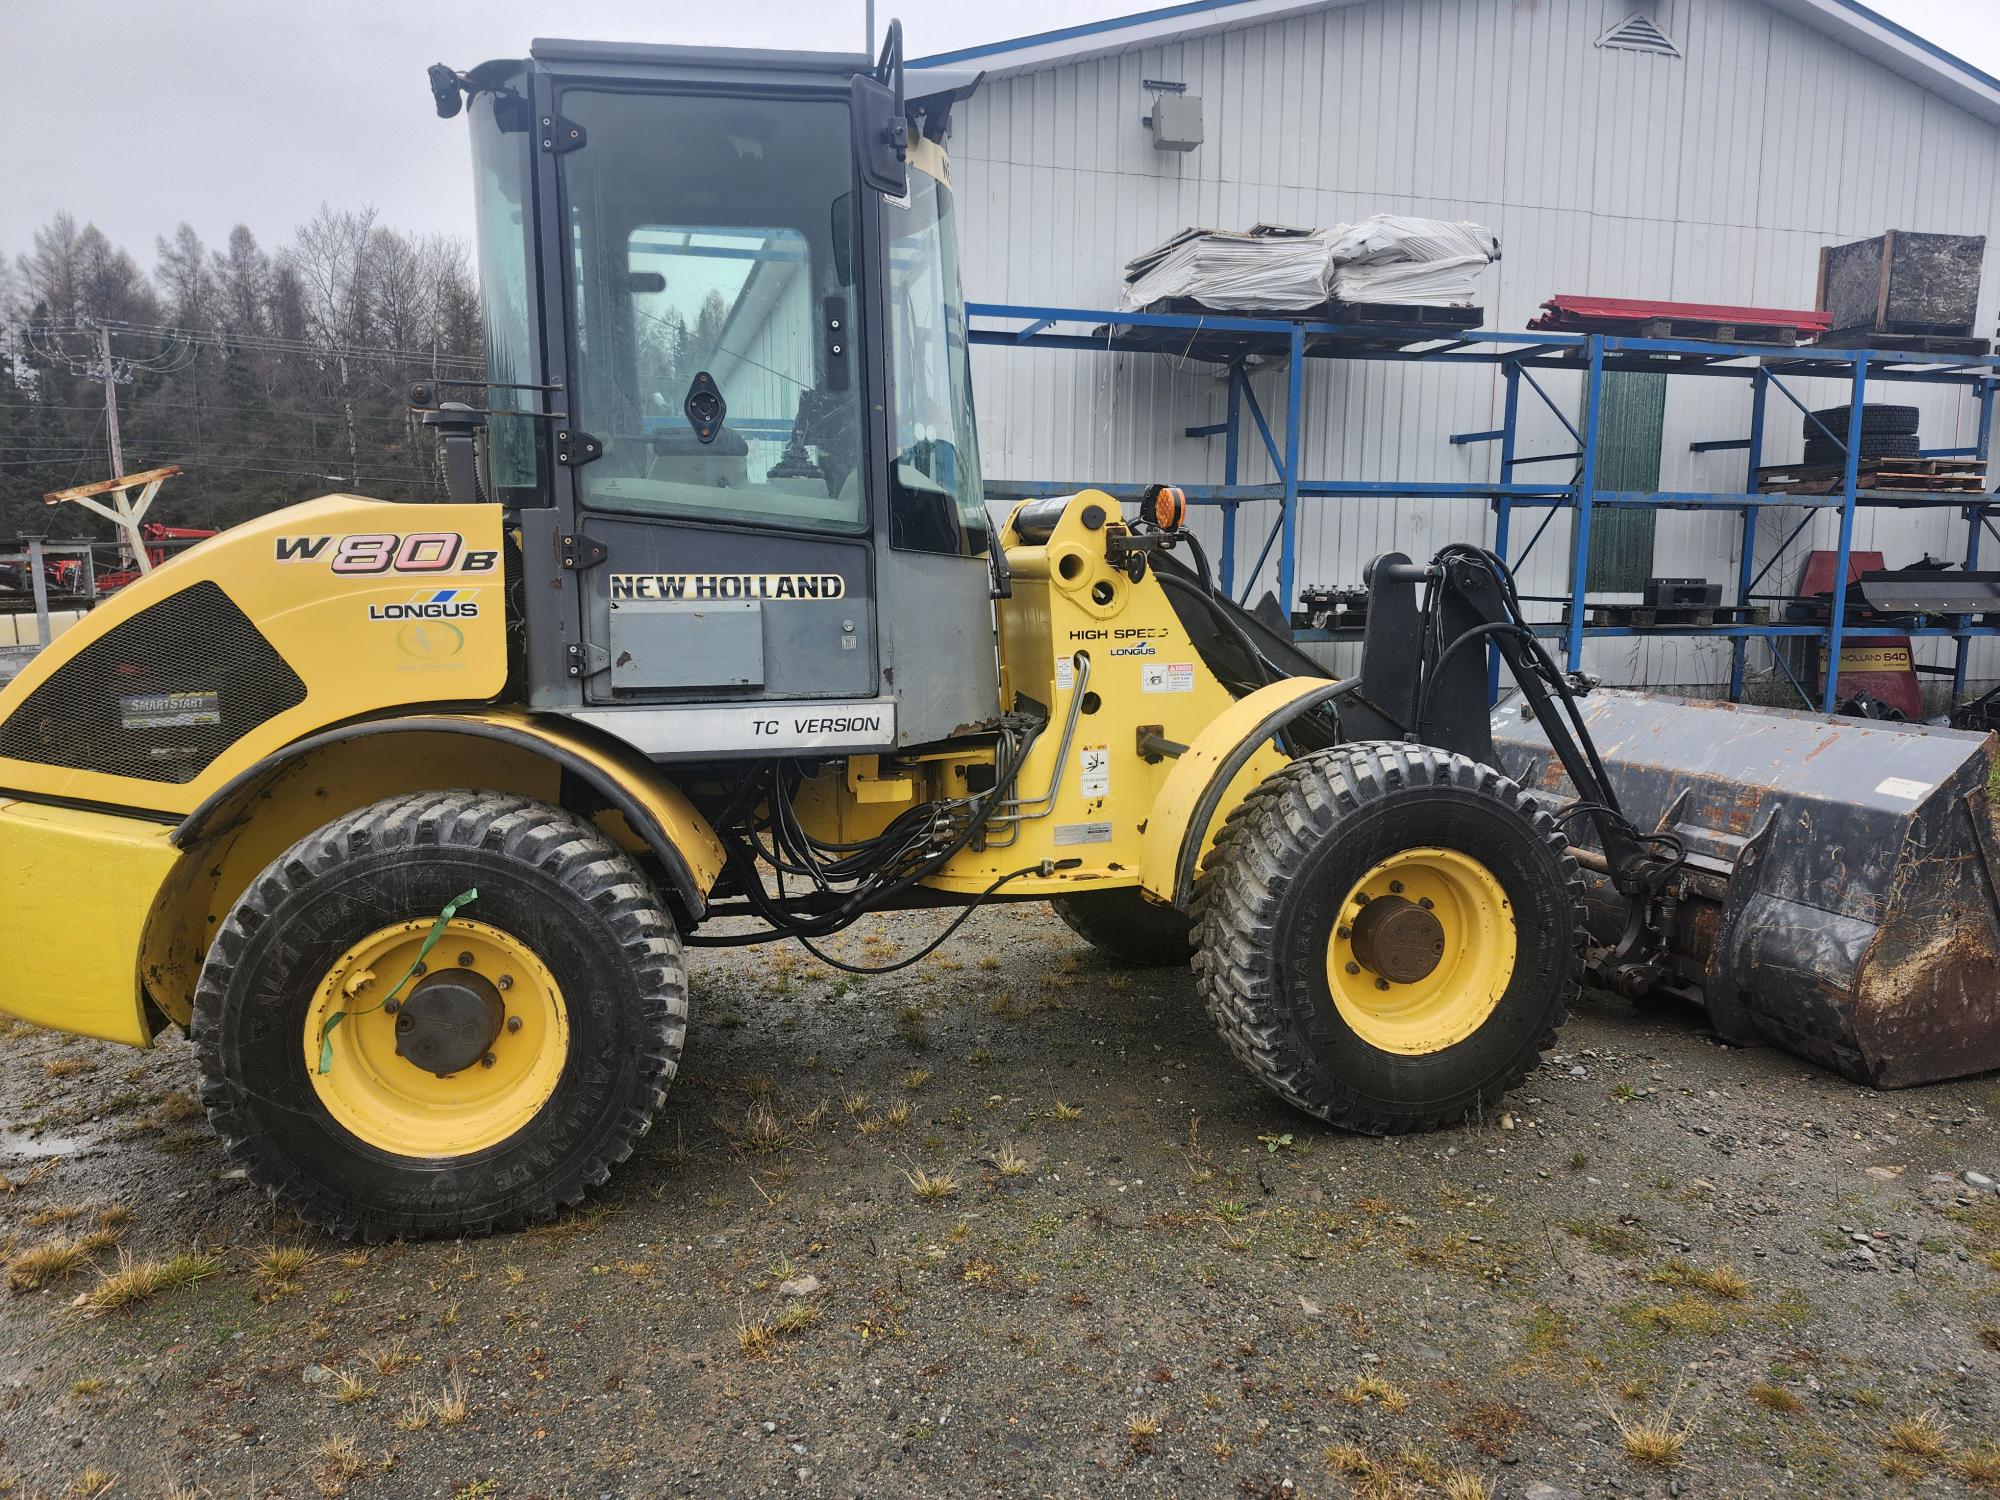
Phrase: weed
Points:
(897, 1115)
(116, 1216)
(914, 1028)
(1723, 1281)
(1578, 1161)
(67, 1067)
(416, 1413)
(1350, 1459)
(1141, 1433)
(1010, 1163)
(1489, 1426)
(989, 963)
(762, 1131)
(979, 1270)
(932, 1187)
(136, 1280)
(1391, 1397)
(1989, 1335)
(391, 1359)
(49, 1261)
(57, 1213)
(1979, 1464)
(795, 1317)
(448, 1409)
(1922, 1436)
(1062, 1111)
(1622, 1240)
(1775, 1397)
(93, 1482)
(756, 1340)
(89, 1385)
(1463, 1484)
(349, 1388)
(916, 1078)
(1685, 1314)
(856, 1104)
(1655, 1438)
(340, 1464)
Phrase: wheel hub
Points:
(449, 1022)
(1398, 939)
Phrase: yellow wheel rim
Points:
(1422, 950)
(381, 1096)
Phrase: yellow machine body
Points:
(120, 879)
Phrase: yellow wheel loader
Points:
(407, 813)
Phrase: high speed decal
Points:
(368, 553)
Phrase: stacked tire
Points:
(1887, 431)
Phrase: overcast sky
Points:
(136, 114)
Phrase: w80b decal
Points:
(369, 552)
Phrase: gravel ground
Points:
(1012, 1222)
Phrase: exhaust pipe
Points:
(1840, 894)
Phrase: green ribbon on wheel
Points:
(464, 898)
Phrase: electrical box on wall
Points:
(1176, 122)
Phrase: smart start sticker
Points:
(1166, 677)
(169, 710)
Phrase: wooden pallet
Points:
(1914, 343)
(1937, 476)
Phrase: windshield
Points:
(712, 296)
(936, 502)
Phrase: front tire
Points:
(505, 1081)
(1442, 997)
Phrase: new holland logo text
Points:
(432, 604)
(727, 586)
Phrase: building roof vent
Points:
(1639, 32)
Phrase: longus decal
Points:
(369, 553)
(727, 586)
(431, 604)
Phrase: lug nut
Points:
(1425, 902)
(1343, 932)
(1353, 967)
(489, 1059)
(506, 981)
(1381, 984)
(420, 967)
(513, 1023)
(1396, 886)
(465, 960)
(1361, 898)
(390, 1007)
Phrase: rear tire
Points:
(556, 899)
(1125, 925)
(1275, 912)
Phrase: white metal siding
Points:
(1713, 178)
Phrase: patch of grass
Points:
(93, 1482)
(914, 1028)
(1387, 1394)
(1010, 1163)
(1989, 1335)
(47, 1262)
(448, 1408)
(1626, 1241)
(339, 1465)
(1979, 1464)
(1922, 1436)
(795, 1317)
(1489, 1426)
(1141, 1434)
(756, 1340)
(67, 1067)
(56, 1213)
(1687, 1313)
(916, 1078)
(1722, 1281)
(1350, 1459)
(1656, 1438)
(1775, 1398)
(89, 1385)
(349, 1388)
(762, 1131)
(932, 1187)
(856, 1104)
(415, 1415)
(1464, 1484)
(897, 1115)
(1578, 1161)
(136, 1280)
(390, 1359)
(1062, 1111)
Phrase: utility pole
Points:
(110, 401)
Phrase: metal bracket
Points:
(560, 135)
(585, 660)
(575, 449)
(580, 553)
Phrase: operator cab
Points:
(729, 397)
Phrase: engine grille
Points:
(158, 697)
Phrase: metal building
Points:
(1693, 150)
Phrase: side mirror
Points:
(881, 134)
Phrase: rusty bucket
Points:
(1838, 897)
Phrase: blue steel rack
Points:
(1231, 341)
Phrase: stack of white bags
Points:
(1270, 268)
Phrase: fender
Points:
(1236, 742)
(654, 808)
